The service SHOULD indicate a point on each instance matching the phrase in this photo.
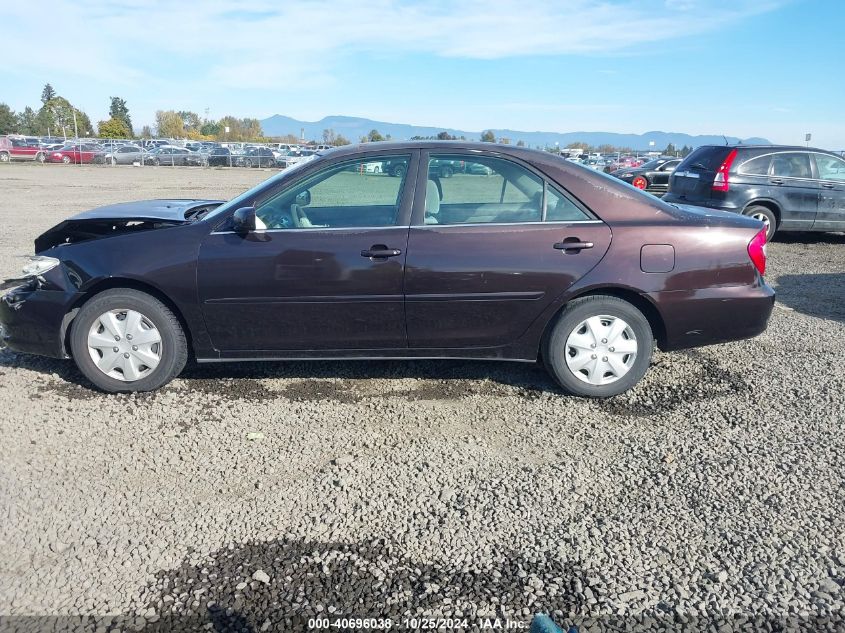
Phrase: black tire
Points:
(67, 160)
(157, 162)
(577, 311)
(174, 348)
(767, 216)
(398, 171)
(248, 163)
(113, 160)
(4, 157)
(41, 157)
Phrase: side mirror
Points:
(243, 220)
(303, 199)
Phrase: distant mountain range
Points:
(354, 128)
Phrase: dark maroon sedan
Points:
(522, 257)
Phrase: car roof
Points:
(433, 145)
(783, 148)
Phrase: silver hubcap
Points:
(125, 345)
(763, 218)
(601, 350)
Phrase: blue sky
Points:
(770, 68)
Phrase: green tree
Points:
(58, 116)
(578, 145)
(210, 128)
(169, 124)
(329, 136)
(487, 136)
(374, 136)
(8, 120)
(119, 110)
(670, 150)
(48, 93)
(190, 121)
(340, 139)
(445, 136)
(606, 149)
(520, 143)
(113, 128)
(146, 132)
(28, 121)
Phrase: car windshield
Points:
(235, 203)
(652, 164)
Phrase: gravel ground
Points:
(243, 495)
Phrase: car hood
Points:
(125, 217)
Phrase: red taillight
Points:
(720, 182)
(757, 251)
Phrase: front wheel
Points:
(600, 346)
(398, 171)
(766, 216)
(41, 157)
(125, 340)
(66, 160)
(4, 157)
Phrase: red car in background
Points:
(20, 148)
(85, 153)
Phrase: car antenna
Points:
(726, 139)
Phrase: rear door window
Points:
(472, 189)
(791, 165)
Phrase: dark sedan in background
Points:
(256, 157)
(652, 176)
(539, 259)
(173, 156)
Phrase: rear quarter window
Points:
(756, 166)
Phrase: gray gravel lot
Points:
(245, 494)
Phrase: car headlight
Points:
(38, 265)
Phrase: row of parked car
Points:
(166, 152)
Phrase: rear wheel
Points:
(766, 216)
(4, 157)
(125, 340)
(600, 346)
(640, 182)
(41, 157)
(248, 163)
(398, 171)
(66, 160)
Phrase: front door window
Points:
(361, 193)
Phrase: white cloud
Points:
(233, 40)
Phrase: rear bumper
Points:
(32, 320)
(714, 315)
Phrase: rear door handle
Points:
(572, 244)
(776, 181)
(380, 251)
(828, 185)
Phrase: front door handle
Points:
(776, 181)
(380, 251)
(828, 185)
(572, 245)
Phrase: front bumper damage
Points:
(34, 313)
